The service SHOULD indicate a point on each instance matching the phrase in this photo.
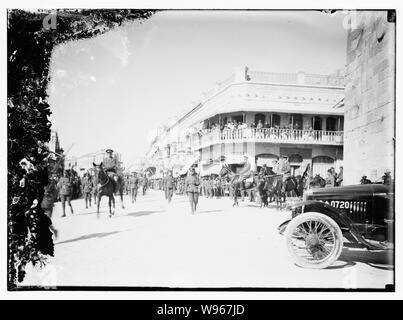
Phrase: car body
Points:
(362, 213)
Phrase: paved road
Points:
(151, 243)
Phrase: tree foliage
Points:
(30, 47)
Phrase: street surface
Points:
(151, 243)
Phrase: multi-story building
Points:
(299, 115)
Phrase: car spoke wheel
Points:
(314, 240)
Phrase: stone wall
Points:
(369, 97)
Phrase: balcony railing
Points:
(273, 135)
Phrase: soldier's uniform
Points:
(133, 185)
(65, 190)
(87, 190)
(246, 171)
(284, 169)
(169, 186)
(110, 164)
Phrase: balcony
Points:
(318, 137)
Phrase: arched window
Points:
(331, 124)
(321, 164)
(275, 120)
(261, 117)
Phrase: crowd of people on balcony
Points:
(234, 129)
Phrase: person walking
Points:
(169, 186)
(87, 189)
(144, 183)
(49, 198)
(134, 186)
(192, 183)
(65, 187)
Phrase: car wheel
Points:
(314, 240)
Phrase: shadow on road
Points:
(382, 259)
(141, 213)
(90, 236)
(209, 211)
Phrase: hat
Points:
(108, 150)
(284, 156)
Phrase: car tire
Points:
(320, 240)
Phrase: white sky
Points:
(111, 91)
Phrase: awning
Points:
(207, 170)
(190, 162)
(239, 158)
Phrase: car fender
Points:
(318, 206)
(281, 228)
(341, 218)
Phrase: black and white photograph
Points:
(201, 149)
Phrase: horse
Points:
(106, 187)
(317, 182)
(294, 185)
(119, 188)
(236, 183)
(262, 191)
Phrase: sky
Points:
(113, 90)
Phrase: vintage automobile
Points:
(362, 214)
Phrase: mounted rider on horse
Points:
(111, 165)
(245, 173)
(283, 167)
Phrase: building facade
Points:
(370, 96)
(263, 115)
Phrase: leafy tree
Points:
(30, 46)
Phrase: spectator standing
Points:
(330, 179)
(339, 180)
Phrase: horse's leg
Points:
(121, 199)
(98, 202)
(113, 202)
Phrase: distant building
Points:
(298, 113)
(85, 162)
(55, 160)
(54, 143)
